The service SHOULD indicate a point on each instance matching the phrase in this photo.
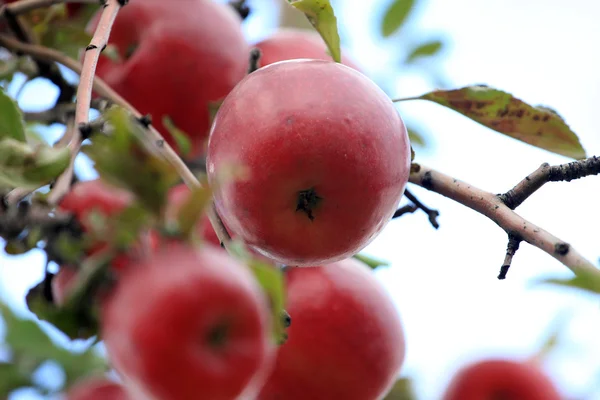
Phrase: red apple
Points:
(289, 44)
(191, 323)
(346, 340)
(177, 57)
(96, 389)
(328, 159)
(501, 379)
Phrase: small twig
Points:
(84, 94)
(512, 247)
(432, 214)
(546, 173)
(16, 219)
(255, 55)
(241, 7)
(491, 206)
(407, 209)
(58, 114)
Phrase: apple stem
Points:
(492, 206)
(255, 55)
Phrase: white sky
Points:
(444, 282)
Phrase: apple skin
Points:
(327, 156)
(346, 340)
(189, 53)
(501, 379)
(289, 44)
(161, 327)
(97, 389)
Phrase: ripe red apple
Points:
(501, 379)
(289, 44)
(177, 195)
(96, 389)
(346, 340)
(177, 57)
(191, 323)
(328, 158)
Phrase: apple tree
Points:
(218, 255)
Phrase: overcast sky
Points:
(444, 282)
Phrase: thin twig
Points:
(104, 90)
(407, 209)
(491, 206)
(546, 173)
(254, 58)
(432, 214)
(512, 247)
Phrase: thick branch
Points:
(546, 173)
(492, 207)
(107, 92)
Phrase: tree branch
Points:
(432, 214)
(104, 90)
(494, 208)
(546, 173)
(84, 94)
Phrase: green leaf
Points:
(124, 159)
(12, 378)
(11, 119)
(22, 165)
(321, 16)
(416, 137)
(395, 16)
(192, 209)
(182, 139)
(426, 49)
(402, 390)
(271, 279)
(506, 114)
(66, 37)
(30, 346)
(371, 261)
(584, 280)
(8, 68)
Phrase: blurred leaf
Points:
(372, 262)
(270, 277)
(66, 37)
(192, 209)
(124, 160)
(32, 135)
(61, 318)
(585, 280)
(30, 346)
(416, 137)
(426, 49)
(128, 225)
(320, 14)
(12, 378)
(402, 390)
(182, 139)
(22, 165)
(8, 68)
(506, 114)
(553, 334)
(395, 16)
(11, 119)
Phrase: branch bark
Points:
(494, 208)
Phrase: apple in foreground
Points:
(327, 159)
(189, 323)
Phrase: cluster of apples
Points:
(327, 158)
